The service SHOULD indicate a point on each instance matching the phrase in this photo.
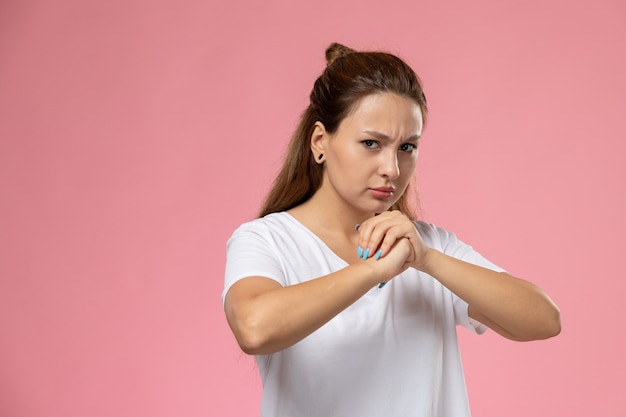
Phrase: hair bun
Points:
(337, 50)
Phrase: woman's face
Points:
(371, 157)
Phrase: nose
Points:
(389, 164)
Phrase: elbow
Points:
(553, 325)
(545, 324)
(250, 343)
(552, 321)
(549, 326)
(251, 338)
(247, 327)
(548, 320)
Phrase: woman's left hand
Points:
(378, 234)
(515, 308)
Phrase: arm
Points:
(267, 317)
(514, 308)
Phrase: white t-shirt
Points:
(392, 353)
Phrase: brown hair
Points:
(349, 76)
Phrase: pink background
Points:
(135, 135)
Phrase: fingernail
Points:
(378, 254)
(382, 284)
(366, 254)
(359, 251)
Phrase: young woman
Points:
(349, 304)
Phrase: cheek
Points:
(348, 161)
(408, 165)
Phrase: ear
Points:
(319, 139)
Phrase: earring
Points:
(319, 158)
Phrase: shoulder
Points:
(447, 242)
(264, 225)
(435, 236)
(272, 230)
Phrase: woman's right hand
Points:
(395, 261)
(393, 238)
(267, 317)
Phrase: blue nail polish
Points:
(359, 251)
(378, 254)
(382, 284)
(366, 254)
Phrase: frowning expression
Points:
(371, 157)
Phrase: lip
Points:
(384, 189)
(382, 192)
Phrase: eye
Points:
(408, 147)
(369, 143)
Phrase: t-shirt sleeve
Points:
(448, 243)
(250, 251)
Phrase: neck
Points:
(325, 213)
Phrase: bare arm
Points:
(514, 308)
(267, 317)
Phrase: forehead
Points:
(388, 113)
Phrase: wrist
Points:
(367, 272)
(428, 261)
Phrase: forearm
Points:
(276, 318)
(515, 308)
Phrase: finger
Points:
(378, 235)
(389, 240)
(395, 261)
(370, 234)
(365, 248)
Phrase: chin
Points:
(380, 208)
(371, 208)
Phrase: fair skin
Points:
(368, 163)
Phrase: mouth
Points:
(384, 189)
(382, 192)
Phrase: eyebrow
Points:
(382, 136)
